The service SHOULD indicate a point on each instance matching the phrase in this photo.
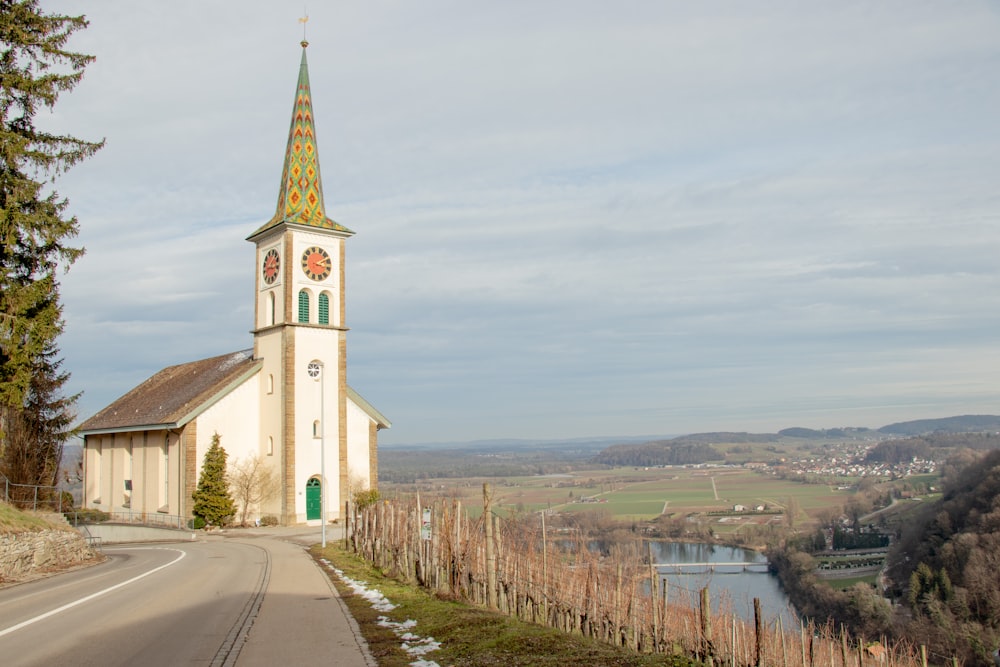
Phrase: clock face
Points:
(270, 266)
(316, 263)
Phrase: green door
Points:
(313, 499)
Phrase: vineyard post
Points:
(654, 596)
(491, 572)
(732, 646)
(802, 642)
(706, 624)
(418, 553)
(545, 569)
(758, 631)
(781, 637)
(618, 604)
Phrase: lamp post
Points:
(315, 371)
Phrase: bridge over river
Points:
(684, 568)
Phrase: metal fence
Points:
(36, 497)
(133, 518)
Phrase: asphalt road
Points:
(211, 602)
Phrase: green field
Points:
(644, 494)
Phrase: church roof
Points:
(300, 198)
(175, 395)
(368, 409)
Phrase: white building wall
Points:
(234, 418)
(358, 453)
(332, 284)
(313, 344)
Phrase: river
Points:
(731, 587)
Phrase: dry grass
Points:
(13, 520)
(469, 635)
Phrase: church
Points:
(285, 401)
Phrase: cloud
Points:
(571, 219)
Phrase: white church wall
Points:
(229, 417)
(331, 284)
(316, 344)
(358, 454)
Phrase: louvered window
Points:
(303, 306)
(324, 308)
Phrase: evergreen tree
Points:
(35, 231)
(36, 434)
(212, 501)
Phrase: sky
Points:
(572, 219)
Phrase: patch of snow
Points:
(414, 645)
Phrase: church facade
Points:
(286, 401)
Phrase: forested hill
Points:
(933, 446)
(961, 424)
(684, 450)
(947, 562)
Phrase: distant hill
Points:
(845, 432)
(659, 453)
(697, 447)
(962, 424)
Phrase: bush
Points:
(86, 515)
(269, 520)
(365, 498)
(196, 523)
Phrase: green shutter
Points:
(303, 306)
(324, 309)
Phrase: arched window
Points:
(303, 306)
(316, 429)
(269, 319)
(270, 384)
(270, 445)
(324, 308)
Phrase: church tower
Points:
(285, 404)
(300, 333)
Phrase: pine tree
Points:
(212, 501)
(36, 434)
(35, 229)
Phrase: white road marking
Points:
(90, 597)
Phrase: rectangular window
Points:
(165, 476)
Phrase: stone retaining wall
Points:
(22, 554)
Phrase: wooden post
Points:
(923, 655)
(758, 631)
(545, 569)
(802, 642)
(781, 636)
(654, 597)
(706, 625)
(491, 559)
(618, 605)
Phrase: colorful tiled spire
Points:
(300, 199)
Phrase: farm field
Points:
(642, 494)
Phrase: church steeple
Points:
(300, 198)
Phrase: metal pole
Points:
(322, 450)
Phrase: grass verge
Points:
(13, 520)
(469, 636)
